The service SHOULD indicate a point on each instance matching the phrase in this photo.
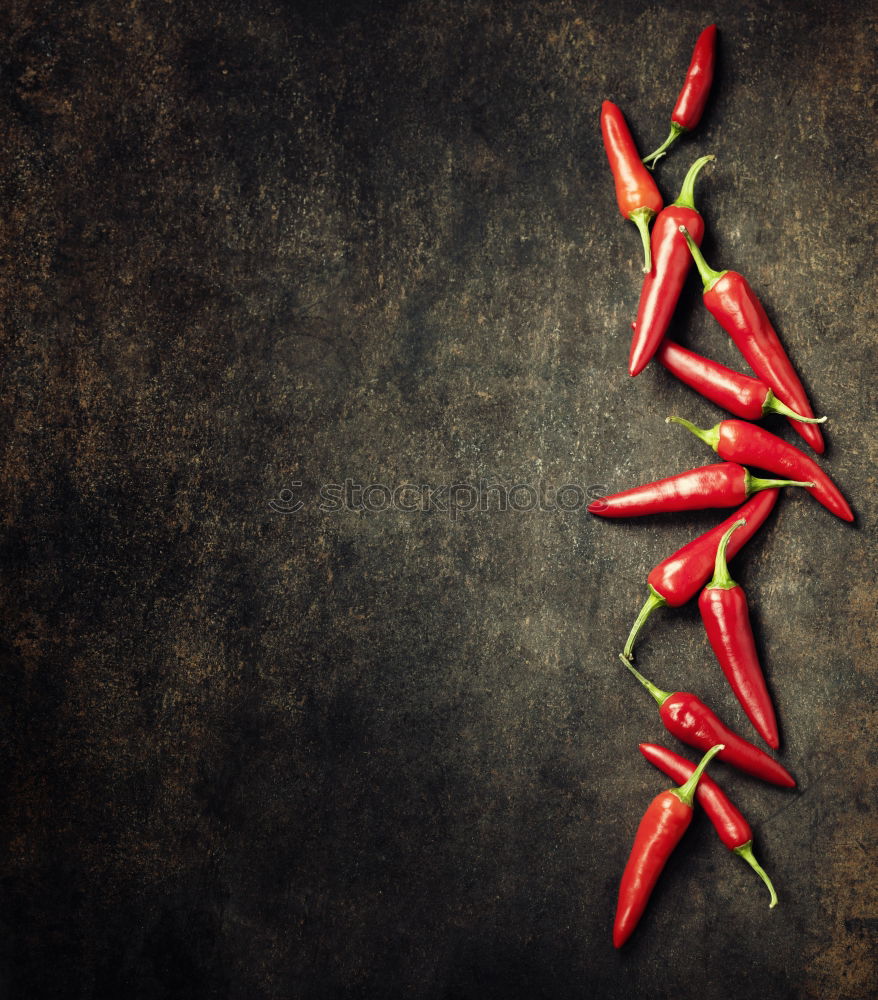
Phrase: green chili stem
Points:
(708, 276)
(722, 579)
(686, 792)
(660, 696)
(687, 191)
(655, 600)
(745, 851)
(657, 154)
(753, 484)
(709, 437)
(641, 217)
(773, 405)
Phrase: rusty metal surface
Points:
(261, 750)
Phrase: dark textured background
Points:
(251, 754)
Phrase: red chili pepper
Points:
(737, 441)
(685, 716)
(731, 300)
(693, 97)
(682, 575)
(743, 395)
(665, 821)
(723, 607)
(724, 484)
(636, 193)
(671, 263)
(733, 829)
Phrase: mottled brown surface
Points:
(253, 754)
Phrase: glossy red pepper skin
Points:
(686, 716)
(724, 484)
(660, 830)
(726, 617)
(678, 578)
(671, 263)
(692, 98)
(744, 396)
(730, 823)
(637, 195)
(737, 441)
(662, 286)
(663, 824)
(733, 303)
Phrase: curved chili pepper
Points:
(682, 575)
(732, 302)
(743, 395)
(663, 824)
(685, 716)
(737, 441)
(671, 263)
(693, 97)
(636, 193)
(733, 829)
(723, 607)
(725, 484)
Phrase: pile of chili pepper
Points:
(701, 566)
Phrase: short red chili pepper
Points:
(733, 829)
(693, 97)
(726, 617)
(745, 396)
(663, 824)
(738, 441)
(725, 484)
(733, 303)
(679, 577)
(685, 716)
(637, 195)
(671, 263)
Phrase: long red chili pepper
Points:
(637, 195)
(744, 396)
(724, 484)
(733, 303)
(738, 441)
(723, 607)
(670, 264)
(685, 716)
(733, 829)
(663, 824)
(693, 97)
(679, 577)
